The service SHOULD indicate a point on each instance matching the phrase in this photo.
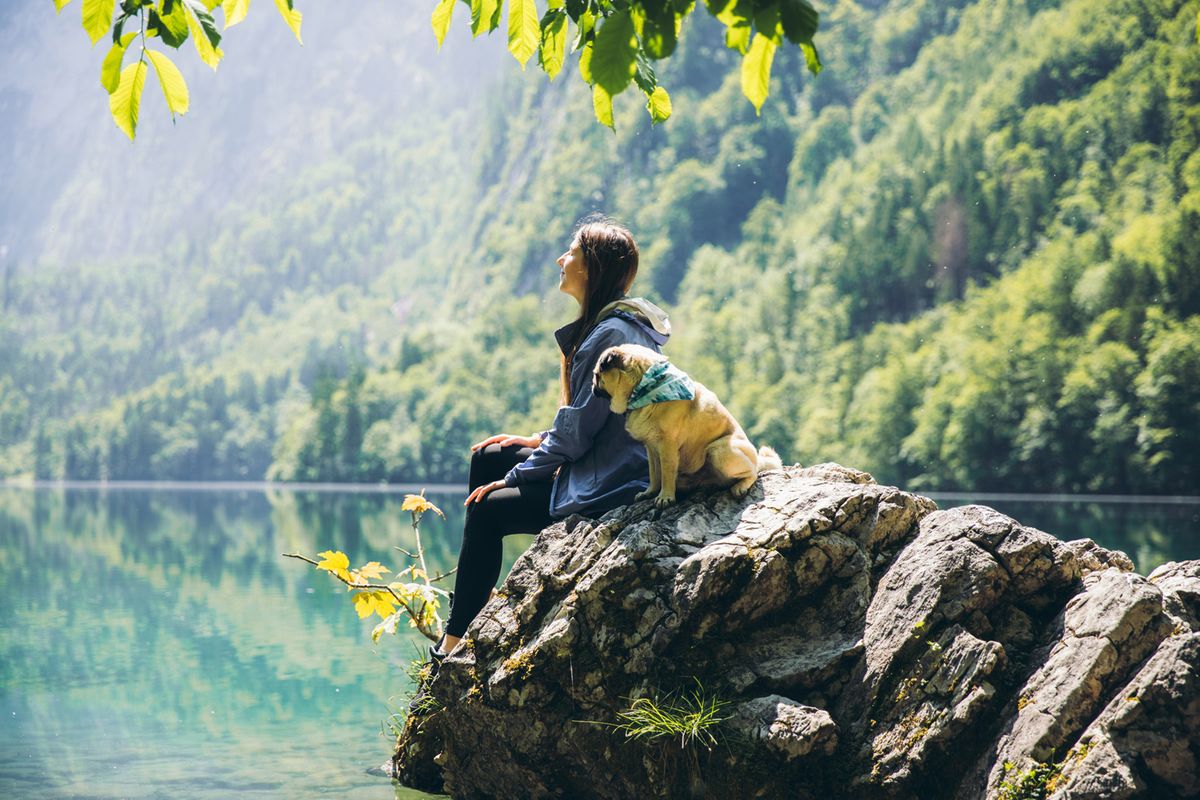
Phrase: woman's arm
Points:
(506, 439)
(576, 425)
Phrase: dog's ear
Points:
(612, 358)
(597, 389)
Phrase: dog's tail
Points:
(768, 459)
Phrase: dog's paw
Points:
(644, 495)
(742, 489)
(664, 500)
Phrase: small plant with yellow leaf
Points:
(411, 592)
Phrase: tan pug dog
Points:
(691, 438)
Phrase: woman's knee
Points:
(483, 464)
(492, 463)
(482, 521)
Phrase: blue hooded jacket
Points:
(600, 466)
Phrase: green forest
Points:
(965, 256)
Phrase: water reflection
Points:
(156, 644)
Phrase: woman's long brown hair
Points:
(610, 257)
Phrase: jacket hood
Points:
(637, 309)
(645, 311)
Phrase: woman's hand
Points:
(483, 491)
(505, 439)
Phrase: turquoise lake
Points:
(156, 644)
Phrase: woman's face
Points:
(572, 276)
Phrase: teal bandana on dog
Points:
(661, 383)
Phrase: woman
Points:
(586, 463)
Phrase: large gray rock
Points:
(786, 727)
(863, 643)
(1146, 740)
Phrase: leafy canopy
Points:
(172, 22)
(617, 41)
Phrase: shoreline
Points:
(447, 488)
(240, 486)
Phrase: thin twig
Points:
(437, 589)
(425, 630)
(420, 550)
(343, 580)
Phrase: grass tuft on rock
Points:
(689, 716)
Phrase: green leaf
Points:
(553, 52)
(523, 30)
(583, 29)
(127, 99)
(637, 15)
(204, 33)
(58, 5)
(97, 17)
(585, 63)
(172, 28)
(235, 11)
(110, 70)
(291, 16)
(644, 77)
(756, 71)
(736, 16)
(766, 22)
(441, 20)
(737, 37)
(737, 12)
(576, 7)
(174, 88)
(602, 106)
(118, 27)
(613, 62)
(811, 57)
(659, 105)
(485, 16)
(659, 32)
(799, 20)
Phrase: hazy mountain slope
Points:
(271, 109)
(298, 170)
(962, 256)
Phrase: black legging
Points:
(525, 509)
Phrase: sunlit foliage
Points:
(617, 41)
(971, 264)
